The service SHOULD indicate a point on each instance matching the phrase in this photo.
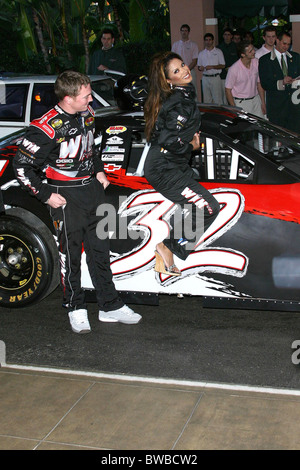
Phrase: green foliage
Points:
(138, 54)
(38, 36)
(137, 19)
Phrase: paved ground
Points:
(178, 339)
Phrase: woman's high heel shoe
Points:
(160, 266)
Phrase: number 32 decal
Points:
(153, 213)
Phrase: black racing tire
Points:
(29, 267)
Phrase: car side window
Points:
(43, 99)
(217, 161)
(105, 90)
(13, 102)
(273, 145)
(138, 153)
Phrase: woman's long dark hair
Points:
(158, 88)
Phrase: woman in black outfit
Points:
(172, 127)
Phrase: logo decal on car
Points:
(153, 215)
(116, 129)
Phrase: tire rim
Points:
(16, 262)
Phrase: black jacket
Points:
(58, 146)
(283, 107)
(177, 122)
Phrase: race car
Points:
(248, 258)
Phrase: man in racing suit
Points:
(61, 143)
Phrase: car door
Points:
(262, 165)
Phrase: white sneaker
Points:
(122, 315)
(79, 321)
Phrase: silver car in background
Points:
(24, 98)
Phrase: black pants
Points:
(195, 203)
(76, 229)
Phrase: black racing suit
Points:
(167, 169)
(61, 147)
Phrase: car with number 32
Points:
(248, 258)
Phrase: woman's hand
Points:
(196, 141)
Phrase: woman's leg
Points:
(197, 209)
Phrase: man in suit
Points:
(279, 73)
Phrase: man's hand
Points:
(288, 80)
(101, 177)
(102, 67)
(56, 200)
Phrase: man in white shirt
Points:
(269, 36)
(211, 62)
(188, 50)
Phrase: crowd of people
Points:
(237, 73)
(233, 72)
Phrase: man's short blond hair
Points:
(69, 83)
